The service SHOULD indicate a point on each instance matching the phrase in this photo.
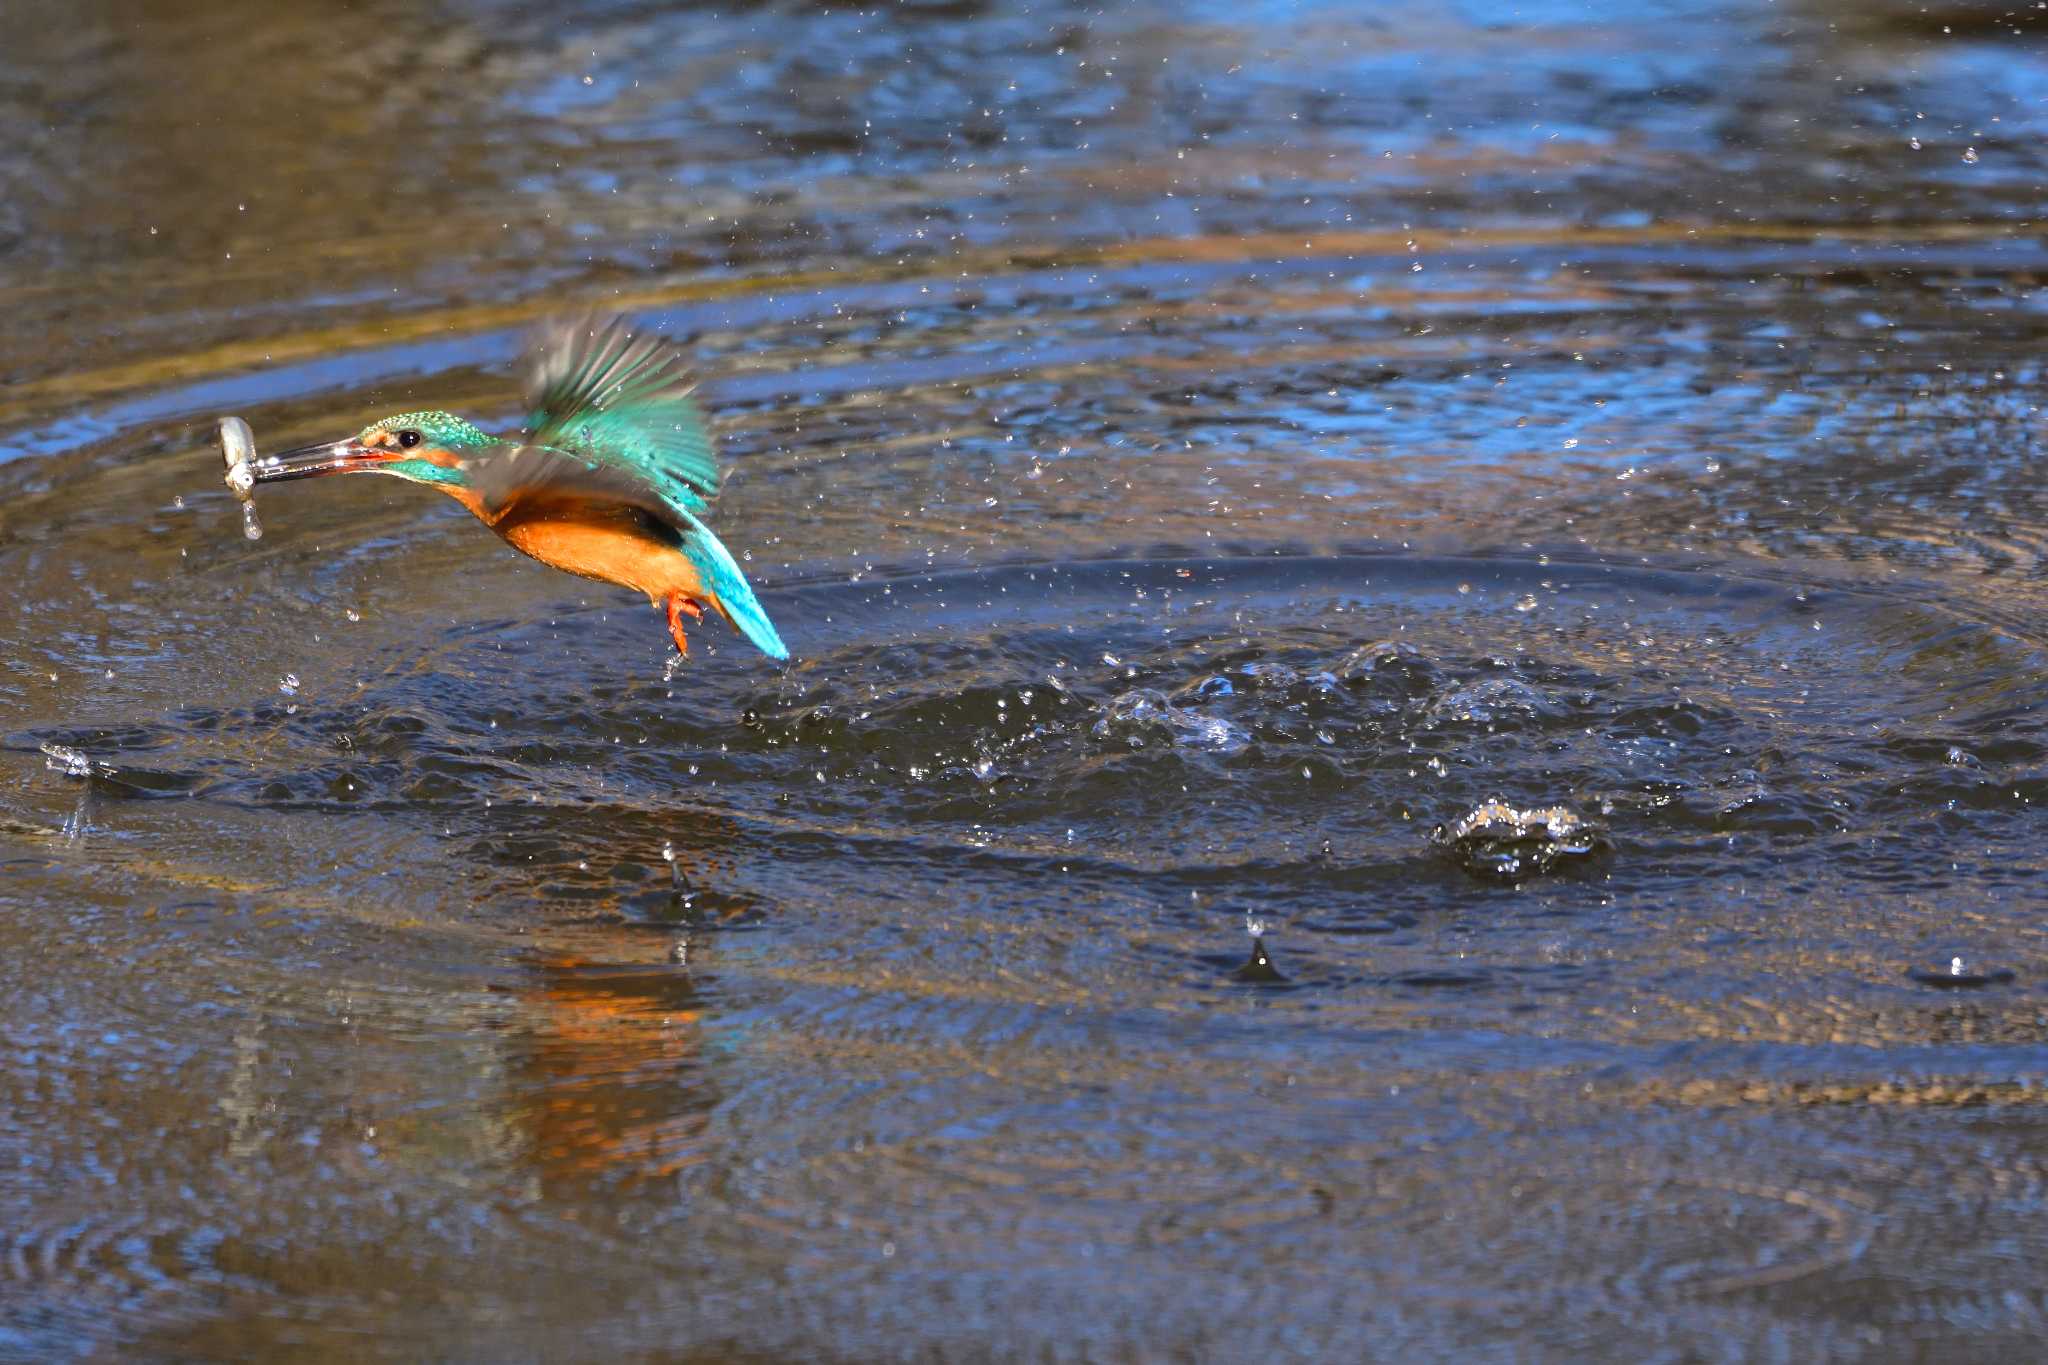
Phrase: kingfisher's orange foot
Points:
(680, 606)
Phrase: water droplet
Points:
(1970, 155)
(289, 684)
(1914, 143)
(1527, 602)
(252, 529)
(1259, 966)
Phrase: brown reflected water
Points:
(1534, 515)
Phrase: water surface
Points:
(1416, 730)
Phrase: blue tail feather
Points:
(735, 596)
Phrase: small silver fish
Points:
(238, 450)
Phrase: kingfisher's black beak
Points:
(311, 462)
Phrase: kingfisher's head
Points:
(425, 447)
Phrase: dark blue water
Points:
(1417, 726)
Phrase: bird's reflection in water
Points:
(608, 1078)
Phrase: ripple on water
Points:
(1641, 709)
(1493, 702)
(1143, 715)
(870, 812)
(1961, 974)
(133, 1267)
(392, 1001)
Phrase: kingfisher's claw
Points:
(680, 606)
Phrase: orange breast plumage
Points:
(612, 549)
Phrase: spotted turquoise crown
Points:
(442, 430)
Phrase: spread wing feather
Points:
(599, 389)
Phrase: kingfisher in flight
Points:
(611, 478)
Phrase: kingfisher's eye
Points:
(408, 439)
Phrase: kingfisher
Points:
(611, 478)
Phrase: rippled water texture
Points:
(1417, 727)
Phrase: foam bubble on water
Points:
(1497, 839)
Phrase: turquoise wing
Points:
(621, 398)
